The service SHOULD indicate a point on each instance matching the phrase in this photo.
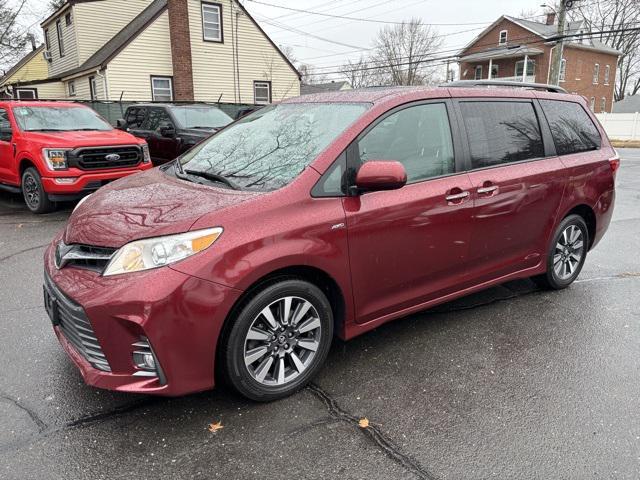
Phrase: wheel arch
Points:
(588, 215)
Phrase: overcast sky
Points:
(350, 38)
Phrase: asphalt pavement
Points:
(512, 382)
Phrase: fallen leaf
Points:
(363, 423)
(214, 427)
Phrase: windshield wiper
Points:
(47, 130)
(214, 177)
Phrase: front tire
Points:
(567, 254)
(33, 192)
(278, 341)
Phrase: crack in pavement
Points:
(373, 433)
(20, 252)
(32, 415)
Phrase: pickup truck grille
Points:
(100, 158)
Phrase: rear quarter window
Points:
(501, 132)
(572, 129)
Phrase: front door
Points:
(410, 245)
(517, 186)
(6, 147)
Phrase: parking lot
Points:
(511, 382)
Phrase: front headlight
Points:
(146, 156)
(55, 158)
(160, 251)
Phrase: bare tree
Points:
(12, 40)
(618, 15)
(402, 53)
(361, 73)
(310, 75)
(56, 4)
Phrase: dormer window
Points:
(502, 40)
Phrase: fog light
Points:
(149, 361)
(64, 180)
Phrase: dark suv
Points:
(171, 130)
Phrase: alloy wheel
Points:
(282, 341)
(31, 191)
(568, 252)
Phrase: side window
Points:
(501, 132)
(132, 118)
(5, 126)
(571, 128)
(419, 137)
(157, 116)
(333, 183)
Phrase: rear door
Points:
(410, 245)
(517, 184)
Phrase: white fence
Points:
(621, 126)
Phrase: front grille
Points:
(101, 157)
(83, 256)
(76, 328)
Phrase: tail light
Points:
(615, 162)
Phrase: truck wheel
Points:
(34, 195)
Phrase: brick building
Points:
(520, 50)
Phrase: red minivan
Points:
(56, 152)
(324, 215)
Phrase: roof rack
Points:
(505, 83)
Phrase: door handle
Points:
(490, 189)
(456, 196)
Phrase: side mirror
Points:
(121, 124)
(5, 132)
(377, 175)
(167, 130)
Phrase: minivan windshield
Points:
(269, 148)
(58, 119)
(191, 116)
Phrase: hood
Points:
(74, 139)
(147, 204)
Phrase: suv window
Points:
(501, 132)
(571, 128)
(156, 117)
(5, 126)
(135, 117)
(419, 137)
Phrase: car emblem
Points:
(112, 157)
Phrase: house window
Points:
(531, 68)
(93, 88)
(212, 22)
(46, 39)
(478, 74)
(261, 92)
(563, 69)
(603, 104)
(162, 89)
(592, 104)
(503, 37)
(596, 73)
(579, 70)
(67, 19)
(607, 74)
(60, 40)
(494, 70)
(72, 88)
(26, 93)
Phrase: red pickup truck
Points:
(56, 151)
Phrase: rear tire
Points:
(35, 197)
(567, 254)
(278, 341)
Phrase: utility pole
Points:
(556, 58)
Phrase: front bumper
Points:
(180, 315)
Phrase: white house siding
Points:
(83, 91)
(130, 72)
(60, 64)
(213, 65)
(98, 22)
(49, 90)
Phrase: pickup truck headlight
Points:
(160, 251)
(55, 158)
(146, 156)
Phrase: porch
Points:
(513, 63)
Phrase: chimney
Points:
(32, 39)
(181, 50)
(551, 18)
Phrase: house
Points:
(27, 79)
(629, 104)
(520, 50)
(165, 50)
(324, 87)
